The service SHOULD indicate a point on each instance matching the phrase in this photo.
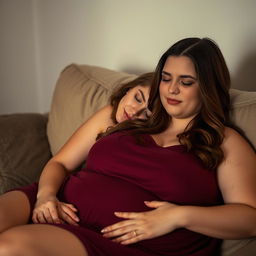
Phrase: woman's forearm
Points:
(231, 221)
(51, 179)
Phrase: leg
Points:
(14, 209)
(40, 240)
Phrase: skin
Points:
(16, 238)
(179, 93)
(236, 174)
(48, 209)
(134, 104)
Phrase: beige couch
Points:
(29, 139)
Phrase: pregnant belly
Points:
(98, 196)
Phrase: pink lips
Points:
(173, 101)
(126, 115)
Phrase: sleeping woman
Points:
(173, 184)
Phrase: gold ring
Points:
(135, 233)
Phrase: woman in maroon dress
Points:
(171, 185)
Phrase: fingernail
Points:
(103, 230)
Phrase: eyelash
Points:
(187, 83)
(165, 80)
(183, 83)
(137, 98)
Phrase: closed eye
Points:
(138, 98)
(166, 80)
(187, 83)
(166, 77)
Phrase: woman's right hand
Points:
(51, 210)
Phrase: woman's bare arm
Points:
(234, 220)
(70, 156)
(237, 181)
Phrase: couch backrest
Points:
(243, 112)
(82, 89)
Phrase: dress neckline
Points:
(153, 142)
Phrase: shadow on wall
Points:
(135, 70)
(244, 77)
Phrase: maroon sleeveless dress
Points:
(120, 175)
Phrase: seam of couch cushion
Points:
(92, 73)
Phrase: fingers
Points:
(126, 232)
(118, 229)
(128, 215)
(154, 204)
(46, 213)
(139, 226)
(71, 206)
(39, 218)
(53, 216)
(129, 238)
(67, 214)
(123, 232)
(53, 211)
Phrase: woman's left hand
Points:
(144, 225)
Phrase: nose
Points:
(174, 87)
(140, 113)
(131, 111)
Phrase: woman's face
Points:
(179, 88)
(134, 104)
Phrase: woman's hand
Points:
(144, 225)
(51, 210)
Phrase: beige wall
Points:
(41, 37)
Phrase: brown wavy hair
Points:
(205, 134)
(142, 80)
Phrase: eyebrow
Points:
(182, 76)
(142, 95)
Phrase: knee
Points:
(12, 245)
(3, 220)
(7, 247)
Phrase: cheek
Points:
(162, 93)
(119, 111)
(195, 100)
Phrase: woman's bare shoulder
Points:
(235, 144)
(106, 110)
(102, 114)
(101, 119)
(233, 136)
(236, 173)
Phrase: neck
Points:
(178, 125)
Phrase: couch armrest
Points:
(243, 247)
(24, 149)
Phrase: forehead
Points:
(144, 89)
(180, 65)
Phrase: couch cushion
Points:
(243, 247)
(243, 112)
(83, 89)
(24, 149)
(80, 91)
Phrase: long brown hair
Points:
(205, 134)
